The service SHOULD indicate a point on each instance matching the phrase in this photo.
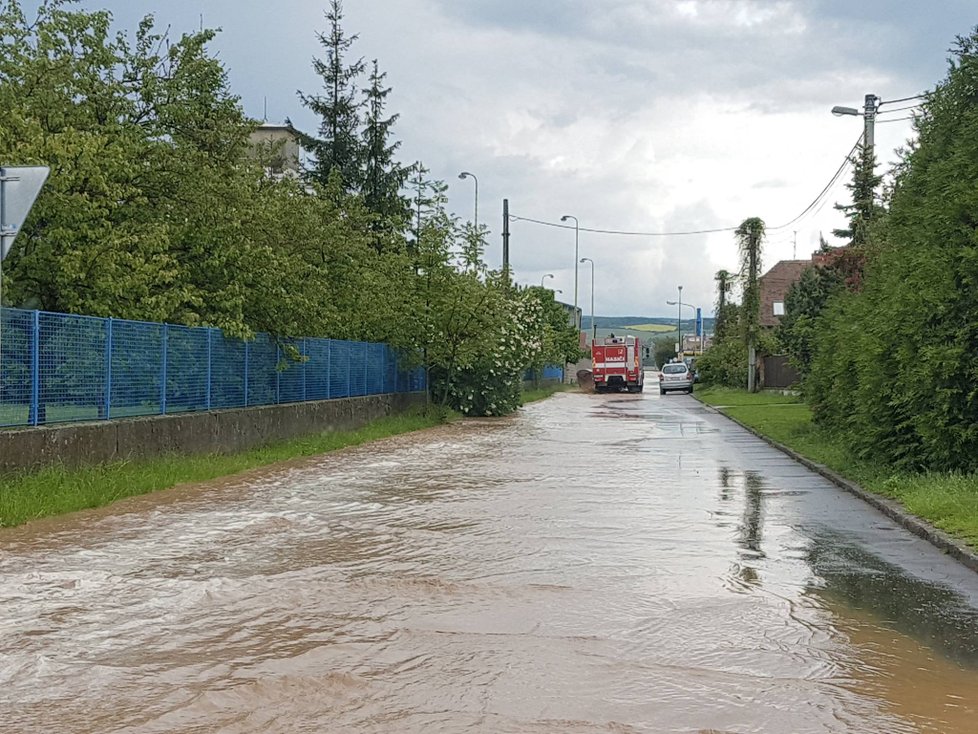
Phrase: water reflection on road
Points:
(597, 563)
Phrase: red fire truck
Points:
(616, 364)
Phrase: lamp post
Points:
(687, 305)
(594, 330)
(548, 275)
(577, 233)
(871, 105)
(464, 175)
(679, 323)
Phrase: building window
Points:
(779, 308)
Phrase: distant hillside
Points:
(644, 323)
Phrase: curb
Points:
(891, 508)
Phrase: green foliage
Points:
(803, 304)
(750, 236)
(724, 314)
(338, 149)
(475, 333)
(724, 363)
(158, 208)
(896, 364)
(383, 176)
(664, 349)
(864, 208)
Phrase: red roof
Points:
(774, 285)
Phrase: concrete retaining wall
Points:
(223, 431)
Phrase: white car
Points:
(675, 376)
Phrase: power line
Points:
(923, 95)
(901, 109)
(825, 190)
(897, 119)
(618, 231)
(626, 233)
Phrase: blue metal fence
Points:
(550, 373)
(57, 368)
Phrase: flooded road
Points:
(596, 563)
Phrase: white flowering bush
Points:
(491, 382)
(475, 332)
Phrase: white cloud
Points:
(640, 115)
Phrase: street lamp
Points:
(594, 331)
(548, 275)
(679, 323)
(872, 103)
(577, 233)
(871, 106)
(687, 305)
(464, 175)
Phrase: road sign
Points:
(19, 187)
(699, 322)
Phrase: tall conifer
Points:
(383, 176)
(338, 148)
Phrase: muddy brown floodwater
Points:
(595, 563)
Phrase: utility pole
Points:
(752, 324)
(679, 325)
(794, 245)
(506, 240)
(869, 118)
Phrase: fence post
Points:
(303, 354)
(247, 352)
(329, 368)
(278, 375)
(207, 398)
(163, 372)
(349, 369)
(108, 368)
(366, 370)
(35, 369)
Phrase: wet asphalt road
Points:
(596, 563)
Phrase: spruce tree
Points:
(864, 207)
(428, 198)
(338, 149)
(383, 176)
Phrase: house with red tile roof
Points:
(774, 285)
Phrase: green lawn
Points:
(947, 501)
(532, 394)
(55, 491)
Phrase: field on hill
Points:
(658, 328)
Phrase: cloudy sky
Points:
(650, 116)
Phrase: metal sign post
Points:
(19, 187)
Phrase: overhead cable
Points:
(824, 191)
(515, 218)
(923, 95)
(900, 109)
(625, 233)
(897, 119)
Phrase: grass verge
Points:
(947, 501)
(531, 395)
(54, 490)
